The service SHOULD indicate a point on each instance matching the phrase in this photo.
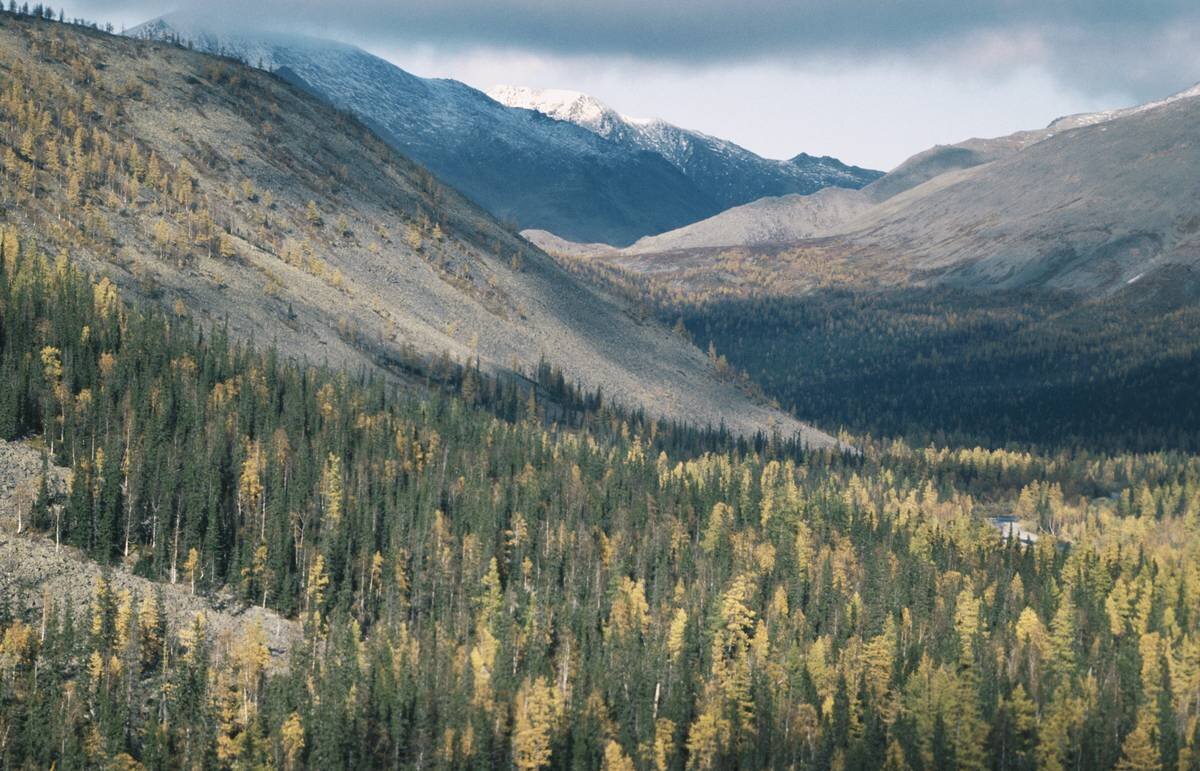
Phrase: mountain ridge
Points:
(518, 165)
(730, 173)
(976, 151)
(521, 165)
(1087, 209)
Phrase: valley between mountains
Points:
(1034, 287)
(351, 419)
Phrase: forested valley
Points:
(1021, 369)
(481, 586)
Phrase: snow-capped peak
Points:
(561, 104)
(551, 101)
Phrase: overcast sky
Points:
(869, 81)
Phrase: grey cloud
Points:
(1141, 48)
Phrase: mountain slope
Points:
(1092, 204)
(942, 159)
(793, 219)
(1089, 209)
(771, 220)
(230, 195)
(730, 174)
(784, 219)
(36, 572)
(976, 151)
(582, 182)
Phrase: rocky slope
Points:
(942, 159)
(772, 220)
(580, 171)
(1091, 209)
(785, 219)
(228, 194)
(977, 151)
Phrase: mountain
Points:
(783, 219)
(976, 151)
(941, 159)
(1036, 288)
(518, 165)
(771, 220)
(730, 174)
(230, 195)
(1090, 209)
(1092, 118)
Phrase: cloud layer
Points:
(1141, 48)
(870, 81)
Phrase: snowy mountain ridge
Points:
(722, 166)
(562, 104)
(519, 165)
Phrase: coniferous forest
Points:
(481, 585)
(992, 369)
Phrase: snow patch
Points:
(1104, 116)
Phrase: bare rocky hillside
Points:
(1092, 210)
(227, 194)
(783, 219)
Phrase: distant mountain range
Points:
(526, 167)
(1092, 204)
